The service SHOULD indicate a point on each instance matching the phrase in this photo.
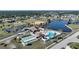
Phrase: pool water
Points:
(50, 34)
(26, 40)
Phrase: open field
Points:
(74, 26)
(2, 33)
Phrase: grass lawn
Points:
(74, 26)
(74, 45)
(2, 33)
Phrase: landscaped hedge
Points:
(78, 36)
(74, 45)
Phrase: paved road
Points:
(8, 38)
(65, 41)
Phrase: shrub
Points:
(74, 45)
(78, 36)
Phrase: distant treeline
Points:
(69, 12)
(32, 13)
(20, 13)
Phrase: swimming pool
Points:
(49, 35)
(26, 40)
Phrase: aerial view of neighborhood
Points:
(31, 29)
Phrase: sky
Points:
(39, 5)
